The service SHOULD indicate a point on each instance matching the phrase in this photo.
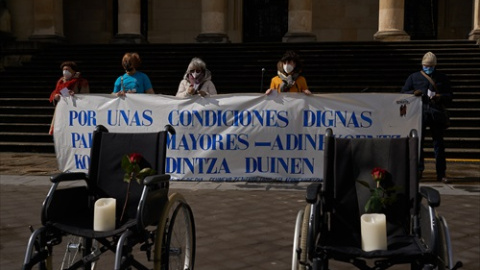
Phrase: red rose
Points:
(378, 174)
(135, 158)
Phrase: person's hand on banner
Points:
(202, 93)
(307, 92)
(269, 91)
(120, 94)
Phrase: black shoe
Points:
(442, 179)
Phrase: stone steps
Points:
(330, 67)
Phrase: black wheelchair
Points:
(329, 228)
(156, 231)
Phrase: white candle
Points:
(104, 214)
(374, 232)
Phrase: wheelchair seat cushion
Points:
(406, 247)
(85, 228)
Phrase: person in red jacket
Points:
(70, 83)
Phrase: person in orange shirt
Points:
(288, 77)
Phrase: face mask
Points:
(196, 74)
(127, 66)
(428, 70)
(67, 74)
(288, 68)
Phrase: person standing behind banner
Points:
(133, 81)
(434, 88)
(70, 83)
(197, 80)
(288, 77)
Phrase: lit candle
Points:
(374, 232)
(104, 214)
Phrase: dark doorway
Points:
(265, 20)
(421, 19)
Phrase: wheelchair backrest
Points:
(348, 161)
(106, 174)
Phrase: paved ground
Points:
(239, 225)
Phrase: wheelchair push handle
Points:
(170, 129)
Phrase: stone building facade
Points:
(237, 21)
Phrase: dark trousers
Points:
(437, 132)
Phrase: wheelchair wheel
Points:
(304, 239)
(296, 239)
(175, 236)
(299, 254)
(443, 248)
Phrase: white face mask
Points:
(67, 74)
(288, 68)
(196, 74)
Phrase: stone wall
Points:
(345, 20)
(180, 21)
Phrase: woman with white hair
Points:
(197, 80)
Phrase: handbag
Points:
(436, 113)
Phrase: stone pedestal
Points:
(47, 38)
(299, 37)
(212, 38)
(48, 21)
(129, 39)
(129, 20)
(213, 22)
(299, 22)
(475, 33)
(390, 21)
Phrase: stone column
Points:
(390, 21)
(475, 33)
(5, 20)
(48, 21)
(299, 22)
(213, 22)
(129, 16)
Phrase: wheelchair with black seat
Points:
(328, 230)
(156, 229)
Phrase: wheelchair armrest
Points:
(432, 196)
(312, 192)
(156, 179)
(154, 197)
(73, 176)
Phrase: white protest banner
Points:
(235, 137)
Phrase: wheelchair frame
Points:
(311, 222)
(171, 240)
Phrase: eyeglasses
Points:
(195, 70)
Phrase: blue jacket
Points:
(416, 81)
